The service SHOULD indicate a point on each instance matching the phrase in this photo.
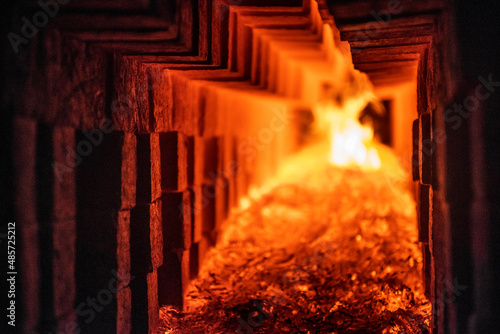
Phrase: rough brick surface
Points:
(123, 244)
(173, 278)
(144, 295)
(64, 229)
(176, 221)
(156, 166)
(197, 203)
(221, 200)
(174, 161)
(156, 234)
(129, 171)
(140, 242)
(426, 148)
(415, 165)
(124, 311)
(208, 197)
(25, 183)
(211, 159)
(427, 274)
(424, 212)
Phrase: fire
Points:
(329, 245)
(351, 143)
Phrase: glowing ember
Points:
(325, 250)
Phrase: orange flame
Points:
(351, 143)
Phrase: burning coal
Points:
(326, 249)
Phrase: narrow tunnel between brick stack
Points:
(325, 240)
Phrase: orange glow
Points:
(351, 143)
(330, 243)
(319, 241)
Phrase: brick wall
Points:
(131, 143)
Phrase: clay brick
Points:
(148, 168)
(124, 311)
(197, 203)
(195, 160)
(64, 175)
(211, 159)
(415, 154)
(156, 172)
(123, 243)
(140, 243)
(194, 263)
(221, 201)
(156, 235)
(427, 270)
(190, 160)
(153, 305)
(174, 161)
(24, 150)
(208, 195)
(63, 264)
(173, 278)
(99, 172)
(176, 221)
(426, 148)
(96, 261)
(63, 229)
(424, 212)
(422, 74)
(145, 172)
(129, 171)
(145, 307)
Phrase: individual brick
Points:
(155, 164)
(24, 153)
(422, 78)
(145, 307)
(415, 169)
(426, 148)
(208, 195)
(149, 173)
(190, 160)
(156, 234)
(124, 311)
(153, 303)
(146, 177)
(427, 270)
(123, 243)
(63, 264)
(194, 264)
(221, 201)
(44, 210)
(63, 229)
(176, 220)
(140, 243)
(424, 212)
(173, 278)
(195, 160)
(174, 161)
(97, 264)
(211, 159)
(99, 172)
(64, 174)
(129, 171)
(197, 202)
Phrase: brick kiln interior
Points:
(134, 128)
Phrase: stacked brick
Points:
(198, 116)
(131, 156)
(394, 41)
